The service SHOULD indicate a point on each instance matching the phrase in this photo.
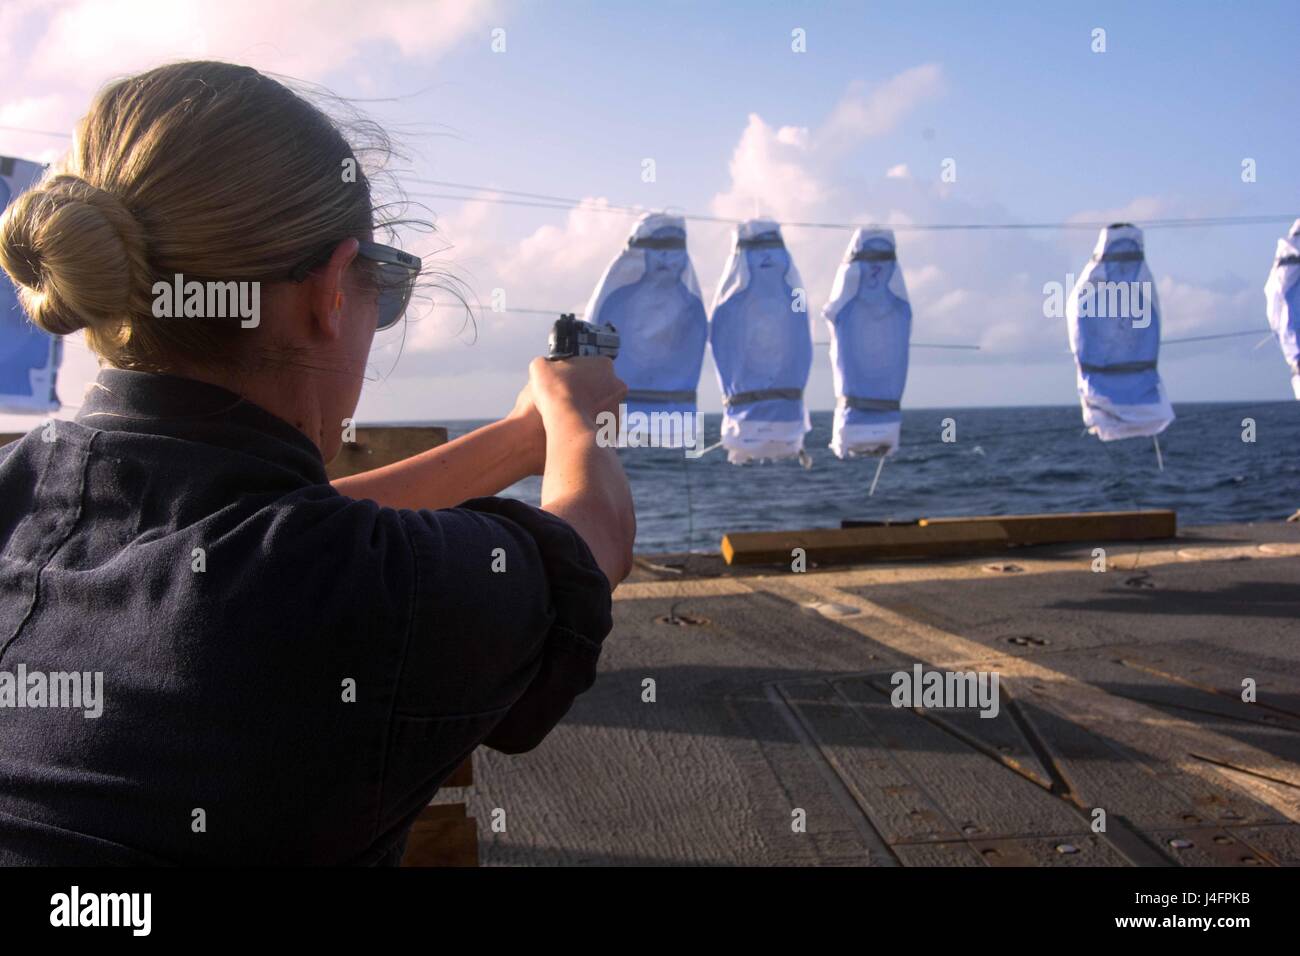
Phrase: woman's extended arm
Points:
(584, 481)
(585, 485)
(552, 432)
(484, 462)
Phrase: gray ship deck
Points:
(1119, 691)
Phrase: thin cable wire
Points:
(915, 345)
(597, 205)
(550, 201)
(522, 311)
(37, 132)
(504, 192)
(457, 305)
(690, 510)
(1206, 338)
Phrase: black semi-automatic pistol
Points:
(571, 337)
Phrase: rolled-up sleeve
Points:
(580, 597)
(509, 610)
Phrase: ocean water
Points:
(1004, 461)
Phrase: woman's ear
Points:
(329, 298)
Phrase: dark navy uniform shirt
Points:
(288, 674)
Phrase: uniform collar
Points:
(151, 403)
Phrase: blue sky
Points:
(1041, 129)
(1028, 109)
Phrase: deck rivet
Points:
(682, 620)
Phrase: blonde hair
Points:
(207, 169)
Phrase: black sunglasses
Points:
(398, 271)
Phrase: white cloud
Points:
(57, 54)
(1135, 210)
(966, 287)
(34, 113)
(863, 113)
(771, 174)
(553, 266)
(88, 40)
(959, 285)
(1188, 309)
(923, 277)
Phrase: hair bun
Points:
(77, 255)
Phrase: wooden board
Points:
(1079, 526)
(935, 537)
(462, 776)
(844, 545)
(442, 836)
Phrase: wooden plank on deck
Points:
(1078, 526)
(936, 537)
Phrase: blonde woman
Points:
(270, 668)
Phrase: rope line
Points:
(516, 197)
(1206, 338)
(597, 205)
